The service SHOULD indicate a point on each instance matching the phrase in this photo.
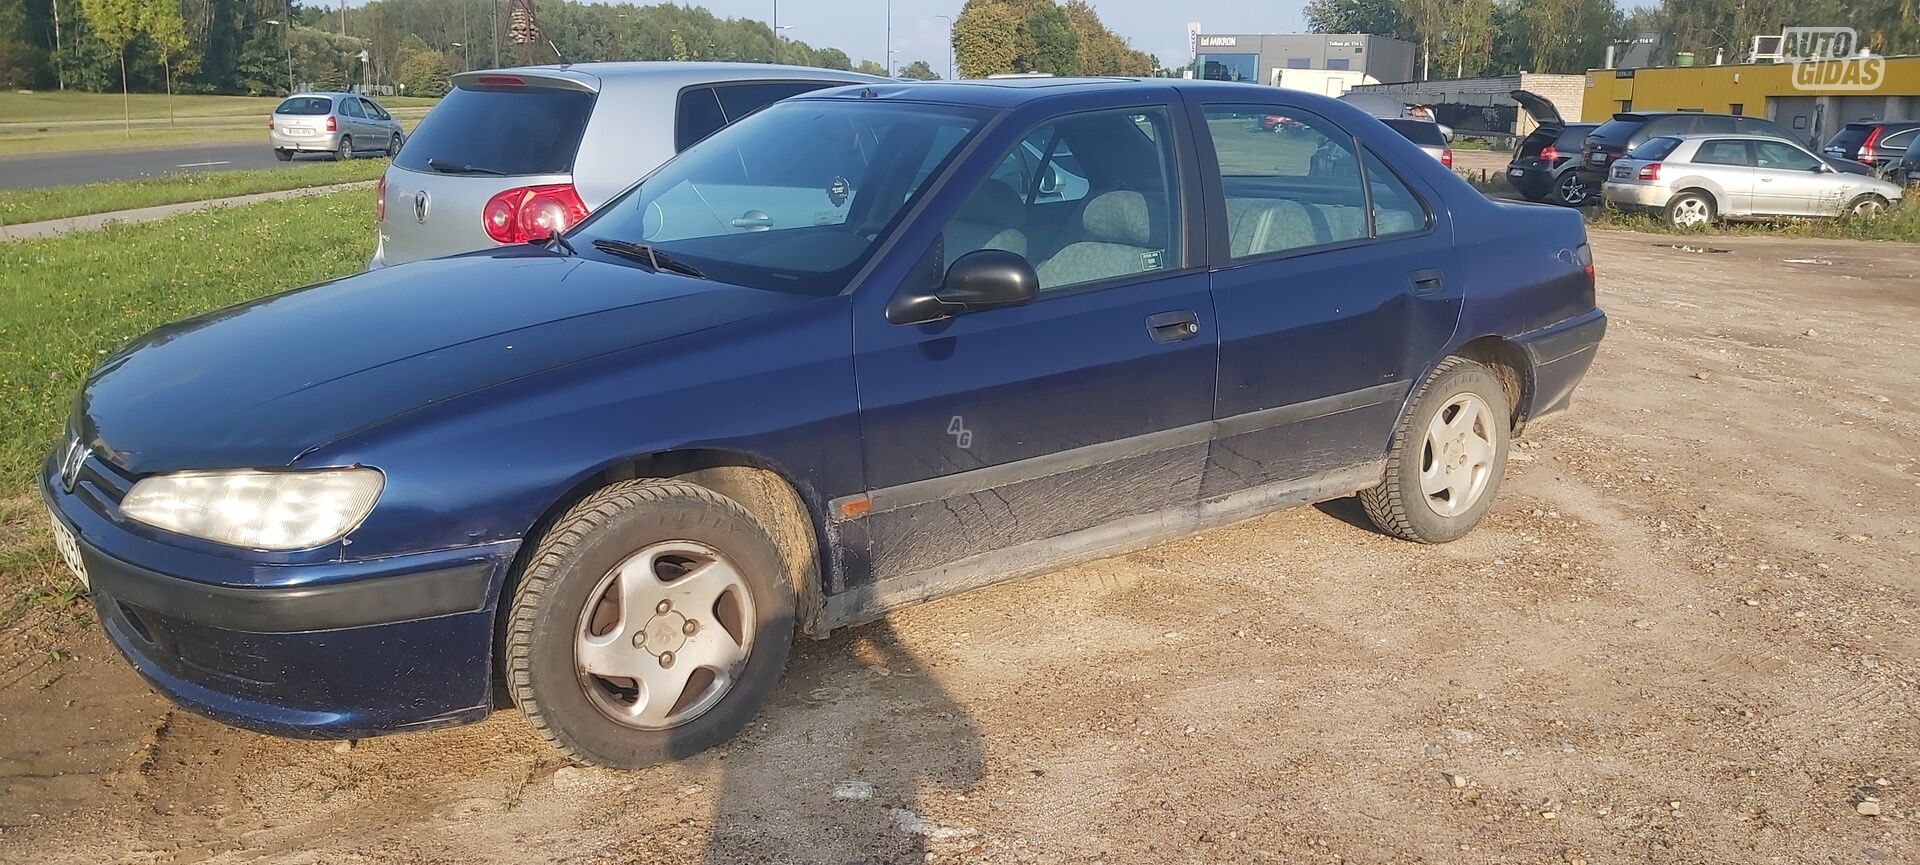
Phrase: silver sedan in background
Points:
(1697, 179)
(342, 124)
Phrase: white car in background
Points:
(1698, 179)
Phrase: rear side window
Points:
(1760, 126)
(1419, 132)
(1618, 131)
(703, 110)
(1572, 137)
(1654, 148)
(308, 105)
(351, 108)
(1713, 124)
(517, 131)
(1722, 153)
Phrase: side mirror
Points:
(982, 279)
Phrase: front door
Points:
(1335, 285)
(1789, 181)
(991, 432)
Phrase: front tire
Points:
(1691, 210)
(651, 623)
(1448, 457)
(393, 147)
(1867, 206)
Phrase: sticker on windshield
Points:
(838, 190)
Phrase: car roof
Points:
(1695, 136)
(664, 73)
(1004, 93)
(334, 93)
(1869, 124)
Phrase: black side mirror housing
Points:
(982, 279)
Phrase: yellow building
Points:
(1814, 99)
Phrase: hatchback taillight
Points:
(332, 126)
(380, 200)
(532, 212)
(269, 121)
(1649, 171)
(1446, 156)
(1549, 153)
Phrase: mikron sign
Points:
(1219, 41)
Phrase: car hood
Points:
(259, 384)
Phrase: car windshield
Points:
(305, 105)
(794, 198)
(1655, 148)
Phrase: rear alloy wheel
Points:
(393, 147)
(1571, 191)
(346, 148)
(1690, 209)
(651, 623)
(1867, 206)
(1448, 457)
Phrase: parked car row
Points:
(767, 390)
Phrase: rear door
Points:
(1334, 284)
(488, 135)
(353, 121)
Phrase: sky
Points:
(858, 27)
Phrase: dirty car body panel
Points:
(1248, 344)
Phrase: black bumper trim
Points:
(373, 601)
(1565, 339)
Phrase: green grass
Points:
(1901, 224)
(58, 202)
(51, 122)
(66, 302)
(46, 106)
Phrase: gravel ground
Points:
(1686, 633)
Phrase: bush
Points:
(425, 74)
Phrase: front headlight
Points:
(287, 510)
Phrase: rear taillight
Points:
(332, 126)
(1867, 146)
(1584, 255)
(532, 212)
(1649, 171)
(1549, 153)
(269, 121)
(1446, 156)
(380, 200)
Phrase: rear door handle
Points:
(1173, 326)
(1426, 281)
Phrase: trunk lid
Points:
(1548, 125)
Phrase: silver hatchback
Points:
(512, 155)
(1697, 179)
(343, 124)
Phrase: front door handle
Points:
(1173, 326)
(1426, 281)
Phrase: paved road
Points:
(30, 171)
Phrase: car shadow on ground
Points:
(1349, 511)
(842, 764)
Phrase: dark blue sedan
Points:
(865, 348)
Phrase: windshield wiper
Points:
(647, 255)
(555, 239)
(442, 166)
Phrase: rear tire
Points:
(346, 148)
(283, 155)
(571, 622)
(1571, 191)
(1692, 209)
(1448, 457)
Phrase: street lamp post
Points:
(284, 42)
(776, 41)
(776, 31)
(890, 69)
(463, 54)
(949, 20)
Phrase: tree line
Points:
(994, 37)
(1498, 37)
(258, 46)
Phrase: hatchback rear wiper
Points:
(647, 255)
(442, 166)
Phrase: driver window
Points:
(1780, 155)
(1085, 197)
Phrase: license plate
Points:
(1597, 159)
(298, 131)
(1516, 172)
(69, 548)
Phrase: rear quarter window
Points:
(308, 105)
(514, 131)
(1419, 132)
(1572, 137)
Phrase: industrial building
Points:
(1767, 90)
(1257, 57)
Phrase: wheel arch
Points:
(1713, 196)
(773, 498)
(1511, 366)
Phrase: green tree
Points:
(425, 74)
(870, 67)
(1378, 17)
(985, 38)
(1056, 48)
(166, 33)
(918, 70)
(1102, 52)
(114, 23)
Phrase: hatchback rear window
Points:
(1421, 132)
(523, 130)
(306, 105)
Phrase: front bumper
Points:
(324, 142)
(325, 650)
(1560, 355)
